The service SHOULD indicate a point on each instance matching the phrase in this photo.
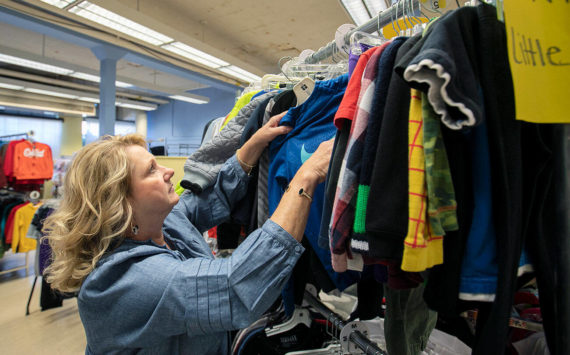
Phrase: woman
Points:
(133, 248)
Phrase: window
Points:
(46, 131)
(90, 129)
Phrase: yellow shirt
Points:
(422, 249)
(22, 220)
(240, 103)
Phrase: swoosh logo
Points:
(304, 154)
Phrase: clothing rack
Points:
(25, 134)
(355, 336)
(382, 19)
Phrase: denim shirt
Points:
(147, 299)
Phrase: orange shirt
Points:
(32, 161)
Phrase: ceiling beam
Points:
(62, 27)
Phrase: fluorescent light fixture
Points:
(119, 23)
(59, 3)
(188, 99)
(85, 76)
(58, 108)
(50, 93)
(122, 84)
(136, 107)
(240, 73)
(375, 6)
(88, 99)
(10, 86)
(195, 55)
(357, 10)
(96, 79)
(34, 65)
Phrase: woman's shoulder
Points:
(127, 264)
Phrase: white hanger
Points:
(330, 349)
(300, 316)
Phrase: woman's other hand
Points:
(269, 131)
(249, 153)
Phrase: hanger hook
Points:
(413, 18)
(405, 15)
(397, 19)
(392, 20)
(281, 67)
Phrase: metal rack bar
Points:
(26, 134)
(381, 20)
(356, 337)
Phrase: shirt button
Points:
(298, 249)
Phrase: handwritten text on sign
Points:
(538, 35)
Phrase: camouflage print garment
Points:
(441, 195)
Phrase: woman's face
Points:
(152, 192)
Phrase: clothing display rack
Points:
(384, 18)
(338, 326)
(26, 135)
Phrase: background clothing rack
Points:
(25, 134)
(385, 17)
(338, 324)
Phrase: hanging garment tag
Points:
(356, 263)
(303, 90)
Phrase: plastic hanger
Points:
(300, 316)
(358, 37)
(34, 197)
(331, 349)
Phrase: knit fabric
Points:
(343, 211)
(441, 195)
(382, 82)
(262, 175)
(422, 249)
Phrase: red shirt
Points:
(347, 107)
(9, 158)
(9, 227)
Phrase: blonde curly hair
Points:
(94, 213)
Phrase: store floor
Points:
(55, 331)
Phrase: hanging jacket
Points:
(202, 167)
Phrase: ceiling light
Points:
(374, 6)
(188, 99)
(34, 65)
(85, 76)
(240, 73)
(50, 93)
(96, 79)
(137, 107)
(194, 54)
(357, 10)
(59, 3)
(122, 24)
(46, 106)
(88, 99)
(10, 86)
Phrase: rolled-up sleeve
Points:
(214, 205)
(232, 293)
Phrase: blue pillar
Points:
(108, 57)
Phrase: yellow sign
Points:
(538, 37)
